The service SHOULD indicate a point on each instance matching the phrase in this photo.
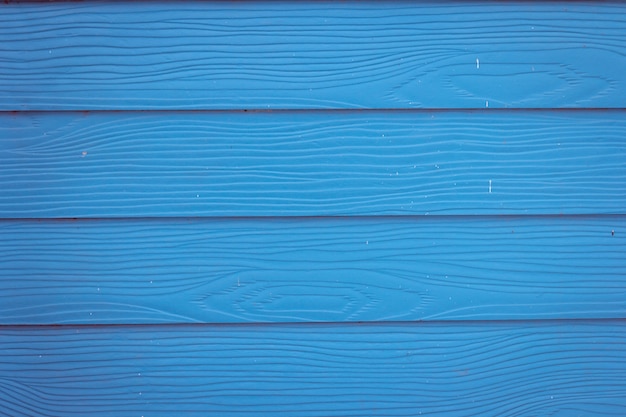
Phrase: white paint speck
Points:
(367, 242)
(489, 186)
(487, 103)
(477, 63)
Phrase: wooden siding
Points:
(320, 164)
(320, 270)
(495, 369)
(266, 54)
(313, 208)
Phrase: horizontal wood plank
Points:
(324, 270)
(570, 369)
(311, 164)
(265, 54)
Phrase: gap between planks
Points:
(343, 218)
(404, 323)
(314, 110)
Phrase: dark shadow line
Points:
(355, 110)
(343, 218)
(322, 110)
(398, 323)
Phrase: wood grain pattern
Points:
(266, 303)
(332, 270)
(311, 164)
(569, 369)
(217, 55)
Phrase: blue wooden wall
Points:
(313, 208)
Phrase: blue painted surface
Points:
(255, 54)
(312, 270)
(312, 164)
(497, 369)
(349, 255)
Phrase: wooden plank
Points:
(266, 54)
(311, 164)
(319, 270)
(567, 369)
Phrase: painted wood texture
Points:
(321, 270)
(311, 164)
(281, 262)
(538, 369)
(265, 54)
